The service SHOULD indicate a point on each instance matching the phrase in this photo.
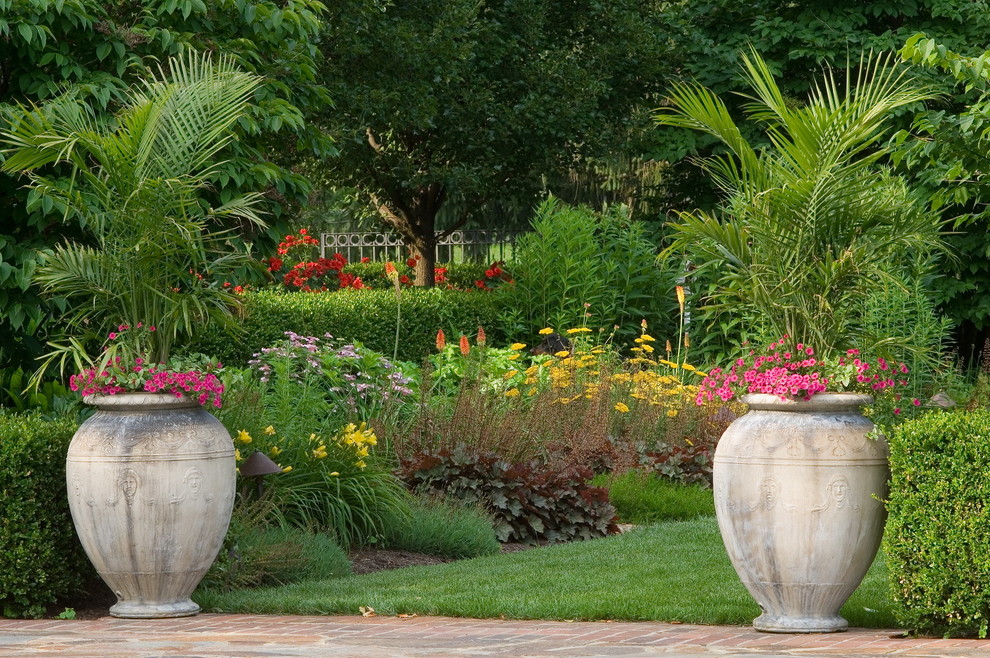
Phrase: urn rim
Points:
(140, 400)
(818, 402)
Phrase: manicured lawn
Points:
(674, 571)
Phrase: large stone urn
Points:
(151, 487)
(798, 488)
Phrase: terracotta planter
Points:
(797, 487)
(151, 487)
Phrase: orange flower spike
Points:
(680, 296)
(441, 340)
(465, 345)
(687, 341)
(669, 350)
(391, 272)
(482, 338)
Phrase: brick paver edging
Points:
(262, 635)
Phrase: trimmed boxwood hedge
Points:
(364, 315)
(41, 561)
(938, 530)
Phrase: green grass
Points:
(675, 571)
(642, 498)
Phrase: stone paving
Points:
(208, 635)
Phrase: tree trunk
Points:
(424, 249)
(415, 220)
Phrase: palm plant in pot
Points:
(808, 225)
(151, 474)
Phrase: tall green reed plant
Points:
(138, 185)
(579, 268)
(810, 224)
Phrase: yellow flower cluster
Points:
(590, 372)
(353, 442)
(359, 438)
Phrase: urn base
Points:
(793, 624)
(133, 610)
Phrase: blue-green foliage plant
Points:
(580, 268)
(936, 541)
(443, 527)
(260, 556)
(41, 561)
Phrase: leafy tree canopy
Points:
(457, 102)
(947, 152)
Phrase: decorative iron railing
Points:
(477, 245)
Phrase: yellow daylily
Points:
(269, 430)
(243, 436)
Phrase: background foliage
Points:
(99, 48)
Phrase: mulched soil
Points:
(97, 598)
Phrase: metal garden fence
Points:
(478, 245)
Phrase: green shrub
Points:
(265, 557)
(937, 541)
(530, 502)
(640, 498)
(444, 528)
(365, 315)
(576, 257)
(461, 276)
(41, 560)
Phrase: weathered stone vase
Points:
(797, 495)
(151, 487)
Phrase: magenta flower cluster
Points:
(795, 372)
(205, 387)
